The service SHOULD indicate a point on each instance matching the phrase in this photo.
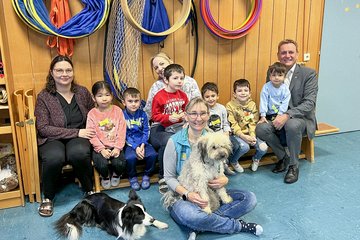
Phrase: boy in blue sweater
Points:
(137, 136)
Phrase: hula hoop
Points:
(185, 11)
(242, 30)
(34, 14)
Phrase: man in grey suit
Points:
(299, 120)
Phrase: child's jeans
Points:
(105, 166)
(236, 150)
(131, 159)
(245, 147)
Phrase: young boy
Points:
(218, 122)
(168, 109)
(275, 97)
(137, 135)
(243, 117)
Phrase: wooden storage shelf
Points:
(11, 199)
(5, 129)
(15, 197)
(4, 106)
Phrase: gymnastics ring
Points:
(185, 11)
(241, 31)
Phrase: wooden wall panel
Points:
(219, 60)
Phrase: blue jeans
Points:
(224, 220)
(236, 150)
(245, 147)
(131, 159)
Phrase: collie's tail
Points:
(70, 225)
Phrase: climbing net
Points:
(122, 47)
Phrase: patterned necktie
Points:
(287, 78)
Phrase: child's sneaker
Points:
(228, 171)
(145, 184)
(115, 180)
(134, 183)
(255, 165)
(105, 183)
(237, 167)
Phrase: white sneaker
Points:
(255, 165)
(237, 167)
(115, 180)
(105, 183)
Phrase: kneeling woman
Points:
(188, 211)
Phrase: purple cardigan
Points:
(50, 117)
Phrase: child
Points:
(168, 108)
(218, 122)
(109, 124)
(275, 97)
(243, 117)
(137, 136)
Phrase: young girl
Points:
(109, 124)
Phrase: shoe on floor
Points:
(228, 171)
(145, 184)
(255, 165)
(163, 187)
(46, 208)
(292, 175)
(134, 184)
(115, 180)
(105, 183)
(237, 167)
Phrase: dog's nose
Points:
(222, 155)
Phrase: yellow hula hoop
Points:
(185, 11)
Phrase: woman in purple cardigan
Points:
(61, 110)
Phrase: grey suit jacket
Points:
(304, 89)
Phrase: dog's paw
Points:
(207, 210)
(160, 225)
(227, 199)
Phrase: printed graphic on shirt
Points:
(134, 123)
(108, 127)
(214, 122)
(248, 115)
(174, 106)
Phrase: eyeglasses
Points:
(59, 71)
(194, 115)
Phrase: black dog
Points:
(125, 220)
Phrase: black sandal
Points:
(46, 208)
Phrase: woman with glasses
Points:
(61, 110)
(188, 210)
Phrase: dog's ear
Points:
(133, 195)
(202, 148)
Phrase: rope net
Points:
(122, 47)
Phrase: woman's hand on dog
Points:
(194, 197)
(219, 182)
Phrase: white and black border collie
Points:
(123, 220)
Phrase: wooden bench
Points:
(307, 148)
(124, 182)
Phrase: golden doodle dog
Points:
(205, 163)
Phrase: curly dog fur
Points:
(205, 163)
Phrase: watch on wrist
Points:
(185, 195)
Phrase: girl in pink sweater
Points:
(109, 124)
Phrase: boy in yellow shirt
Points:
(243, 117)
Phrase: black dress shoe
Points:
(279, 167)
(292, 174)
